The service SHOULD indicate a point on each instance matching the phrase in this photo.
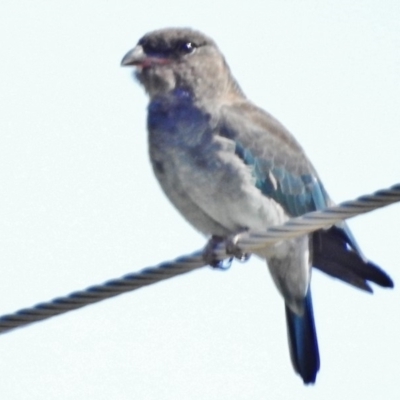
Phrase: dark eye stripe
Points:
(162, 50)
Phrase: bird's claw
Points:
(231, 249)
(209, 253)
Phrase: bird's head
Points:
(169, 59)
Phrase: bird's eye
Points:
(186, 47)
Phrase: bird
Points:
(228, 166)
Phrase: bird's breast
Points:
(195, 165)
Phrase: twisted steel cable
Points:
(247, 242)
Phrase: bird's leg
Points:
(231, 248)
(209, 253)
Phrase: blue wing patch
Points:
(298, 194)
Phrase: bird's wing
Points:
(283, 172)
(279, 165)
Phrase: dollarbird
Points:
(229, 166)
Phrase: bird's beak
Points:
(136, 56)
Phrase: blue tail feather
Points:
(303, 342)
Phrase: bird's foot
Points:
(210, 257)
(231, 249)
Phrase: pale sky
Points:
(79, 203)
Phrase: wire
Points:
(247, 242)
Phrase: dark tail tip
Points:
(303, 344)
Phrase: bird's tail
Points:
(303, 342)
(336, 253)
